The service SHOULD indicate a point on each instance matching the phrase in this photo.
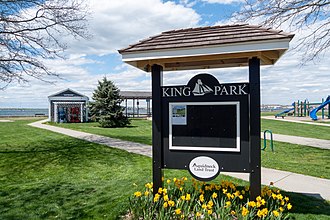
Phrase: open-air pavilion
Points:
(136, 97)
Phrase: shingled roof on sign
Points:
(217, 46)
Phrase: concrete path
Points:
(312, 142)
(288, 181)
(137, 148)
(295, 121)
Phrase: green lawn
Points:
(44, 175)
(298, 159)
(138, 131)
(296, 129)
(286, 157)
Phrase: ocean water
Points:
(22, 111)
(25, 112)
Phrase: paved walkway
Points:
(312, 142)
(295, 120)
(288, 181)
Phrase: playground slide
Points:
(284, 112)
(315, 110)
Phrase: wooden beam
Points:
(208, 61)
(274, 55)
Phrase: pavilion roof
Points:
(208, 47)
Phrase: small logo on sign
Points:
(201, 88)
(204, 168)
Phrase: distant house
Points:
(68, 106)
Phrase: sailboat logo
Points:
(201, 89)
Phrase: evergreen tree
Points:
(106, 107)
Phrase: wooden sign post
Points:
(204, 126)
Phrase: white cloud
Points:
(116, 24)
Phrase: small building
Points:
(136, 97)
(68, 106)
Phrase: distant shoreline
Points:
(23, 112)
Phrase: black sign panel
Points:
(209, 119)
(205, 126)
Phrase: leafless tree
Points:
(312, 16)
(31, 32)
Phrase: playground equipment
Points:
(304, 108)
(283, 114)
(271, 140)
(315, 110)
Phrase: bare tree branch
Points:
(312, 16)
(31, 32)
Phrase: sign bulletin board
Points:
(206, 119)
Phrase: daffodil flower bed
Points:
(184, 199)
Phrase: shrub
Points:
(113, 120)
(182, 199)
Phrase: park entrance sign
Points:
(209, 119)
(204, 126)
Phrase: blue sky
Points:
(116, 24)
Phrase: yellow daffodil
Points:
(168, 181)
(166, 198)
(262, 213)
(171, 203)
(198, 214)
(209, 211)
(232, 212)
(156, 197)
(214, 195)
(273, 195)
(178, 211)
(201, 198)
(252, 204)
(165, 204)
(204, 206)
(160, 190)
(149, 185)
(245, 211)
(164, 191)
(289, 206)
(276, 213)
(146, 193)
(138, 194)
(188, 197)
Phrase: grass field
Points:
(296, 129)
(44, 175)
(286, 156)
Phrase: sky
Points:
(116, 24)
